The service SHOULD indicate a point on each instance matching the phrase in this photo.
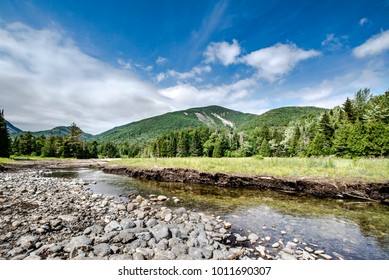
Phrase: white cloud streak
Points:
(274, 62)
(161, 60)
(46, 80)
(194, 73)
(362, 21)
(375, 45)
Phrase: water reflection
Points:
(353, 229)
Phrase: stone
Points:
(253, 237)
(262, 250)
(160, 232)
(151, 223)
(286, 256)
(283, 232)
(125, 236)
(118, 257)
(308, 249)
(162, 198)
(267, 238)
(138, 256)
(102, 250)
(131, 207)
(27, 241)
(168, 217)
(240, 238)
(227, 225)
(127, 223)
(68, 218)
(112, 226)
(276, 245)
(325, 256)
(318, 252)
(77, 242)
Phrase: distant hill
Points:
(151, 128)
(282, 116)
(11, 128)
(59, 131)
(56, 131)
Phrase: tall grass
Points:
(373, 170)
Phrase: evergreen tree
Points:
(5, 141)
(348, 109)
(264, 150)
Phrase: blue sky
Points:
(106, 63)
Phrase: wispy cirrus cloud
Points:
(194, 73)
(377, 44)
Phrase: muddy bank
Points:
(378, 192)
(52, 164)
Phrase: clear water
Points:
(353, 229)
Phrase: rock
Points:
(102, 250)
(112, 226)
(131, 207)
(325, 256)
(77, 242)
(125, 236)
(253, 237)
(283, 232)
(339, 256)
(285, 256)
(161, 232)
(118, 257)
(68, 218)
(240, 238)
(227, 225)
(318, 252)
(308, 249)
(27, 241)
(276, 245)
(162, 198)
(176, 200)
(168, 217)
(138, 256)
(151, 223)
(127, 223)
(262, 250)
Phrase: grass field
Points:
(372, 170)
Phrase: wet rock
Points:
(253, 237)
(325, 256)
(308, 249)
(276, 245)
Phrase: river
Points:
(348, 228)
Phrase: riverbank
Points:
(319, 184)
(378, 192)
(55, 218)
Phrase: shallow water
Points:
(353, 229)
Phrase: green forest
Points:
(357, 128)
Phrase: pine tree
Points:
(264, 150)
(348, 108)
(5, 141)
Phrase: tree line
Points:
(357, 128)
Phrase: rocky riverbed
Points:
(56, 218)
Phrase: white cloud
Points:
(161, 60)
(274, 62)
(46, 81)
(124, 64)
(362, 21)
(373, 46)
(181, 76)
(332, 43)
(224, 52)
(239, 95)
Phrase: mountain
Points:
(151, 128)
(59, 131)
(11, 128)
(56, 131)
(282, 116)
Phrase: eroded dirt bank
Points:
(322, 188)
